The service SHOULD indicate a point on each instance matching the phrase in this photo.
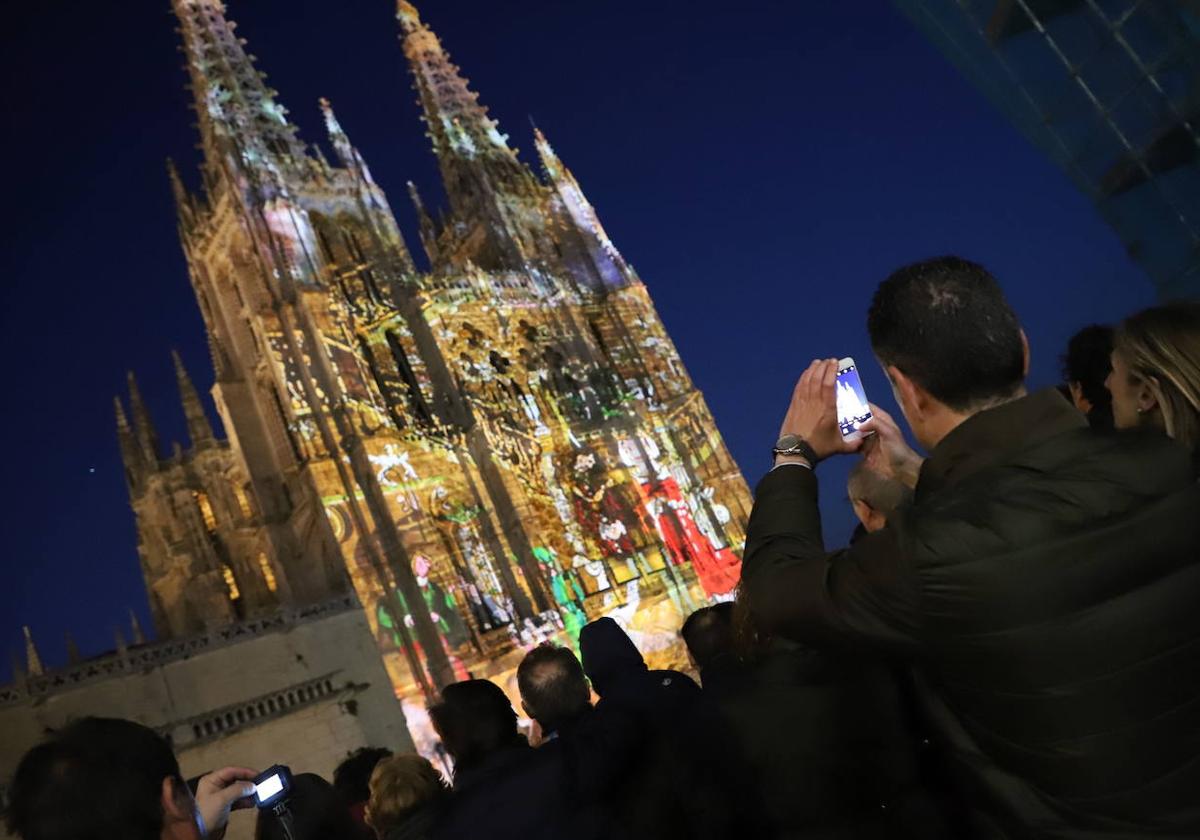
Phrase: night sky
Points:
(763, 166)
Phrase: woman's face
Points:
(1128, 394)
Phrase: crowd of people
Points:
(1008, 647)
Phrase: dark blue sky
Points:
(763, 165)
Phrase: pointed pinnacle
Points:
(143, 427)
(33, 661)
(122, 420)
(199, 429)
(135, 626)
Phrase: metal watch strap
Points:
(800, 447)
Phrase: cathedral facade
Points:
(486, 453)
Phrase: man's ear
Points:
(177, 803)
(911, 396)
(1025, 354)
(862, 510)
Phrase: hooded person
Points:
(674, 787)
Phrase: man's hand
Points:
(886, 451)
(812, 414)
(220, 792)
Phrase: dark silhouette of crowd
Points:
(1007, 647)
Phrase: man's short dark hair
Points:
(1087, 362)
(96, 778)
(352, 778)
(708, 633)
(945, 324)
(553, 686)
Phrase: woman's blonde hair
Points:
(400, 785)
(1162, 346)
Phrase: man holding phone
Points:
(1044, 579)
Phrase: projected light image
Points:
(504, 446)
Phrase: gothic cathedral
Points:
(488, 453)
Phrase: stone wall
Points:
(302, 691)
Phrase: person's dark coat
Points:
(517, 793)
(826, 742)
(1046, 582)
(561, 789)
(673, 787)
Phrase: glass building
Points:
(1110, 90)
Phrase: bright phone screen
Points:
(852, 406)
(269, 787)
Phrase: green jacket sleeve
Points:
(868, 592)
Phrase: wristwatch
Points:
(795, 445)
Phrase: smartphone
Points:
(852, 407)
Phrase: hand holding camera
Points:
(220, 792)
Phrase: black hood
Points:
(608, 653)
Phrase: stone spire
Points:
(606, 263)
(33, 661)
(473, 155)
(241, 123)
(130, 453)
(199, 429)
(135, 626)
(143, 427)
(428, 229)
(185, 206)
(347, 154)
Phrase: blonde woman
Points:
(1155, 379)
(407, 793)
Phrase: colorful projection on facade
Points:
(491, 452)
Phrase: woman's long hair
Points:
(1162, 346)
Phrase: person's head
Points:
(1085, 367)
(553, 689)
(874, 497)
(708, 634)
(353, 776)
(101, 778)
(949, 343)
(319, 812)
(475, 719)
(608, 653)
(400, 786)
(1155, 378)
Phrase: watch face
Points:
(787, 442)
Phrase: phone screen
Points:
(852, 406)
(268, 787)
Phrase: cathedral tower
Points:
(491, 452)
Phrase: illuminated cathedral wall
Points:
(504, 446)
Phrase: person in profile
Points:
(1085, 368)
(1155, 378)
(110, 778)
(1043, 583)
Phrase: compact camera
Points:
(272, 786)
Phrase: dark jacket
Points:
(671, 788)
(513, 794)
(1046, 581)
(827, 744)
